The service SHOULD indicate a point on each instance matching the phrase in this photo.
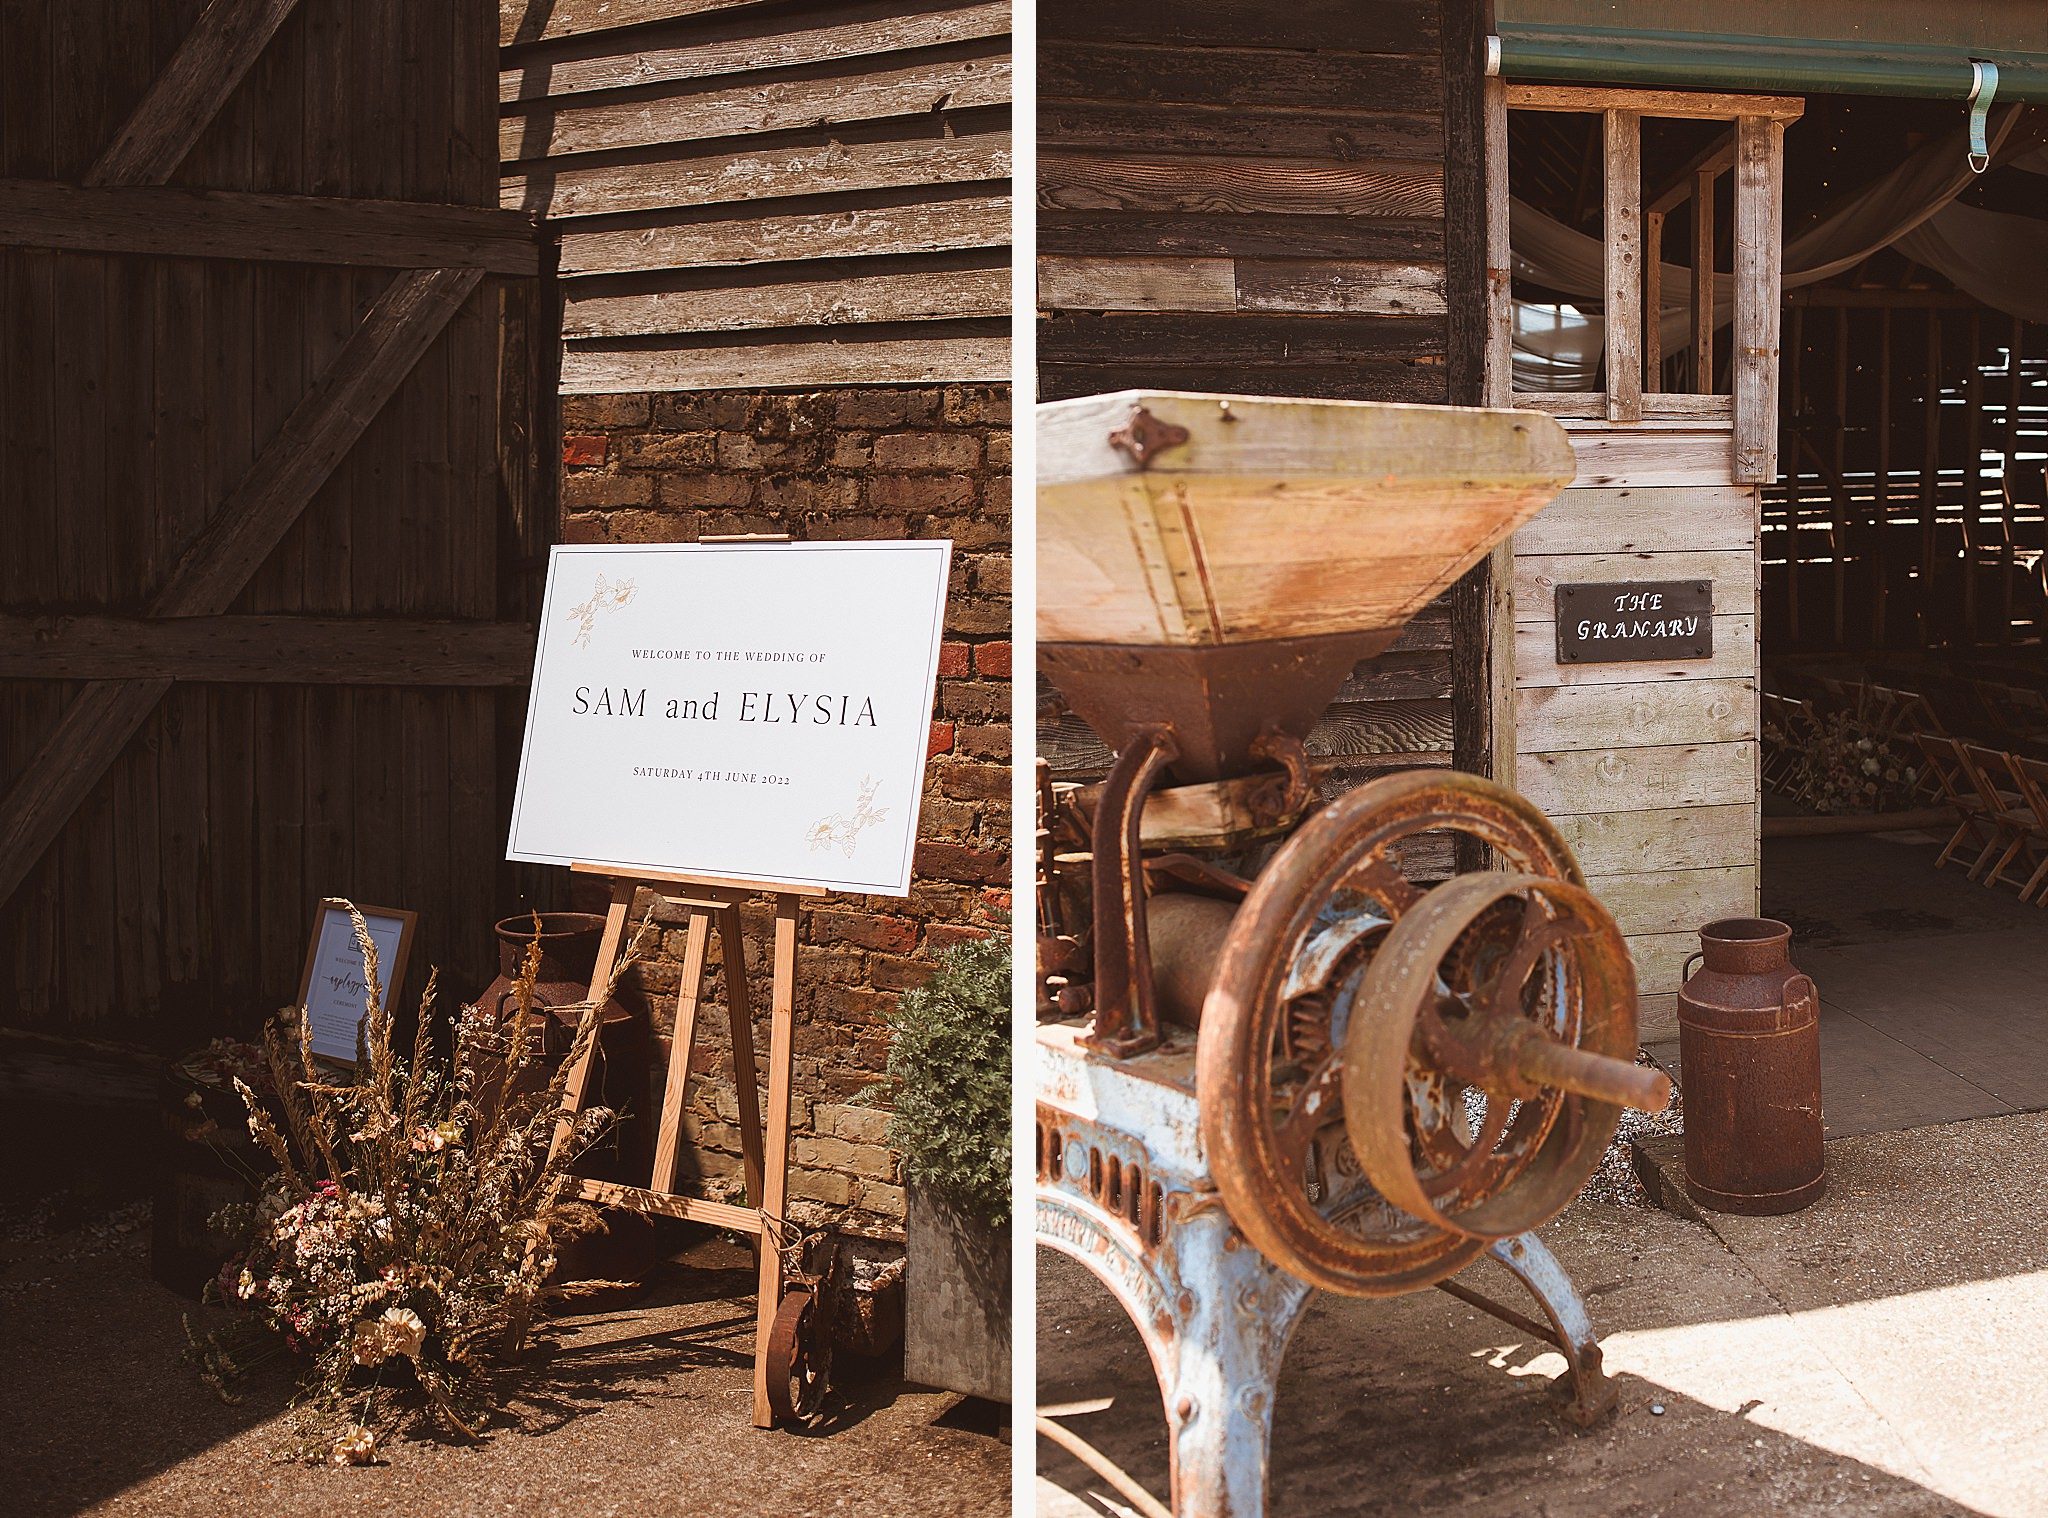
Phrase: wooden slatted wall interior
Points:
(1649, 769)
(136, 392)
(1252, 198)
(755, 195)
(1908, 513)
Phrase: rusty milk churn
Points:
(1749, 1054)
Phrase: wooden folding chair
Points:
(1989, 772)
(2032, 777)
(1944, 763)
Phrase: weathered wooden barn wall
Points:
(751, 195)
(335, 722)
(1650, 769)
(1279, 199)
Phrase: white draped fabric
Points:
(1998, 258)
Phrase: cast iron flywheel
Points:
(1468, 1117)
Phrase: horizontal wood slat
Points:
(182, 223)
(771, 105)
(1641, 521)
(922, 360)
(749, 43)
(1639, 779)
(1653, 714)
(930, 156)
(1280, 186)
(1676, 901)
(851, 230)
(1166, 73)
(1656, 457)
(521, 21)
(1377, 27)
(1663, 838)
(1123, 127)
(1339, 286)
(267, 649)
(1660, 960)
(885, 296)
(1732, 573)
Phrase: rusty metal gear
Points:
(799, 1358)
(1270, 1061)
(1490, 1051)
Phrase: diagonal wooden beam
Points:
(322, 428)
(224, 43)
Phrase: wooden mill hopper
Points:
(1217, 564)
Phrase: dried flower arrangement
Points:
(413, 1220)
(1847, 763)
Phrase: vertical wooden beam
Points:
(1478, 275)
(224, 43)
(1930, 475)
(1759, 211)
(1500, 306)
(2013, 393)
(1883, 505)
(1838, 488)
(1622, 236)
(1653, 301)
(1794, 489)
(1973, 476)
(775, 1179)
(1703, 282)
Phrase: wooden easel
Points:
(764, 1147)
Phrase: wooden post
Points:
(689, 995)
(775, 1180)
(1653, 301)
(1759, 207)
(1703, 282)
(1623, 241)
(1487, 624)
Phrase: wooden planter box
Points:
(956, 1302)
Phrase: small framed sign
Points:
(1638, 621)
(333, 991)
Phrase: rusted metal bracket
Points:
(1125, 1020)
(1145, 436)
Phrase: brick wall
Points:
(878, 462)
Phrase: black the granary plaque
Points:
(1635, 622)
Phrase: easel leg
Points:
(667, 1137)
(607, 956)
(775, 1170)
(739, 1007)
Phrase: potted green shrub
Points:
(948, 1083)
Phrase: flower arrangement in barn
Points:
(1847, 764)
(410, 1227)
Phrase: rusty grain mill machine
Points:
(1279, 1059)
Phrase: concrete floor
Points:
(1878, 1354)
(629, 1412)
(1934, 990)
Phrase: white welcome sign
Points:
(759, 711)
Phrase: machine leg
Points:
(1526, 1258)
(1233, 1317)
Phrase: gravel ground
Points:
(625, 1412)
